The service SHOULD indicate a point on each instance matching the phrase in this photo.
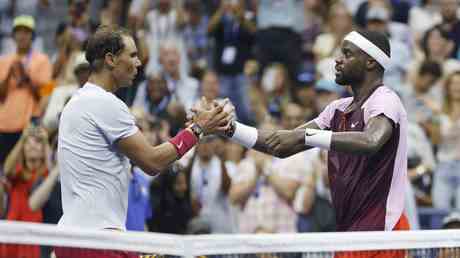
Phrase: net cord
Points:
(188, 246)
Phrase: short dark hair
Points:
(105, 40)
(379, 39)
(430, 67)
(424, 42)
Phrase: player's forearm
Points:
(158, 159)
(355, 142)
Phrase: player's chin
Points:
(340, 80)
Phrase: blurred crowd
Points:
(274, 59)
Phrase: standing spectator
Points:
(264, 189)
(69, 49)
(24, 166)
(423, 17)
(139, 206)
(22, 76)
(210, 182)
(183, 88)
(446, 186)
(233, 34)
(279, 24)
(171, 203)
(195, 37)
(451, 23)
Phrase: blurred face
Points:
(448, 9)
(349, 65)
(180, 185)
(436, 43)
(424, 82)
(23, 38)
(292, 116)
(170, 59)
(126, 63)
(377, 25)
(157, 88)
(454, 88)
(341, 20)
(34, 152)
(210, 86)
(164, 5)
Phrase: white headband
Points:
(370, 48)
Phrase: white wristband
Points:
(318, 138)
(245, 135)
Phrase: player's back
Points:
(94, 176)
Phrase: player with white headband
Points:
(365, 136)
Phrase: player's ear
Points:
(111, 60)
(371, 64)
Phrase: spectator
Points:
(153, 96)
(422, 18)
(400, 10)
(183, 88)
(69, 50)
(210, 183)
(339, 24)
(279, 24)
(62, 94)
(165, 23)
(264, 193)
(195, 37)
(22, 76)
(171, 203)
(326, 92)
(111, 13)
(233, 34)
(24, 166)
(139, 204)
(378, 19)
(451, 23)
(446, 188)
(79, 19)
(451, 221)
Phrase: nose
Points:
(138, 62)
(339, 59)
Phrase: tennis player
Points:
(365, 136)
(98, 137)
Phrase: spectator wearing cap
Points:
(400, 10)
(378, 19)
(305, 94)
(22, 77)
(63, 93)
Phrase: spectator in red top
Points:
(24, 166)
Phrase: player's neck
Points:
(363, 90)
(104, 80)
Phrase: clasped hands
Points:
(214, 117)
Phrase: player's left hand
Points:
(282, 142)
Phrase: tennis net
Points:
(18, 239)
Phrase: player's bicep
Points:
(379, 130)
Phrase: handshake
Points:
(213, 117)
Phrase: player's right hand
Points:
(211, 117)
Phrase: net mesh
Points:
(37, 240)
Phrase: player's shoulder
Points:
(384, 95)
(340, 104)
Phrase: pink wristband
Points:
(183, 141)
